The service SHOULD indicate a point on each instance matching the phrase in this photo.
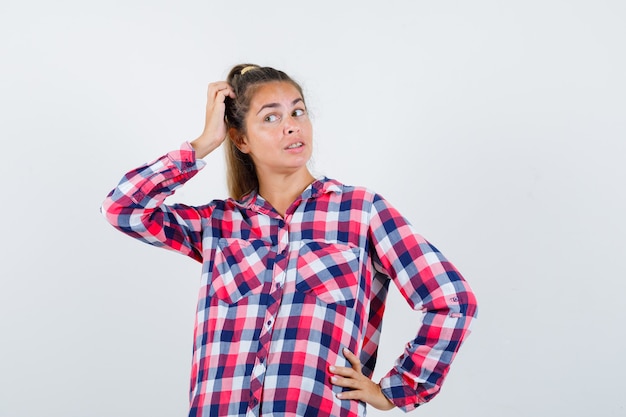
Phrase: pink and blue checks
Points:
(280, 297)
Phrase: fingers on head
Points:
(221, 87)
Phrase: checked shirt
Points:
(280, 297)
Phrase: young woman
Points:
(295, 270)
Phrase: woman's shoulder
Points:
(350, 191)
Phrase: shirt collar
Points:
(320, 186)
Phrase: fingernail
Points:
(332, 369)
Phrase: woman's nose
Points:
(291, 126)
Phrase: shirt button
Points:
(281, 223)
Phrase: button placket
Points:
(272, 307)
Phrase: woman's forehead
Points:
(280, 92)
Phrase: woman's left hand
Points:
(361, 387)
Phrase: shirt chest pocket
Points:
(329, 271)
(239, 268)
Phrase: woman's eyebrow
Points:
(274, 105)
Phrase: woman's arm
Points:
(432, 285)
(136, 206)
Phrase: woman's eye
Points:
(298, 112)
(271, 118)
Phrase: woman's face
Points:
(278, 130)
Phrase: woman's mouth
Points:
(295, 145)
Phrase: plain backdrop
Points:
(497, 128)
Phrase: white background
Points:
(498, 128)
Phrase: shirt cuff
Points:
(185, 158)
(398, 392)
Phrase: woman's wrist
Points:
(203, 147)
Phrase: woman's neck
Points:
(282, 190)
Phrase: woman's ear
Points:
(238, 139)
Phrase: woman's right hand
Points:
(215, 128)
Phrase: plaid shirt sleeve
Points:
(432, 285)
(136, 207)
